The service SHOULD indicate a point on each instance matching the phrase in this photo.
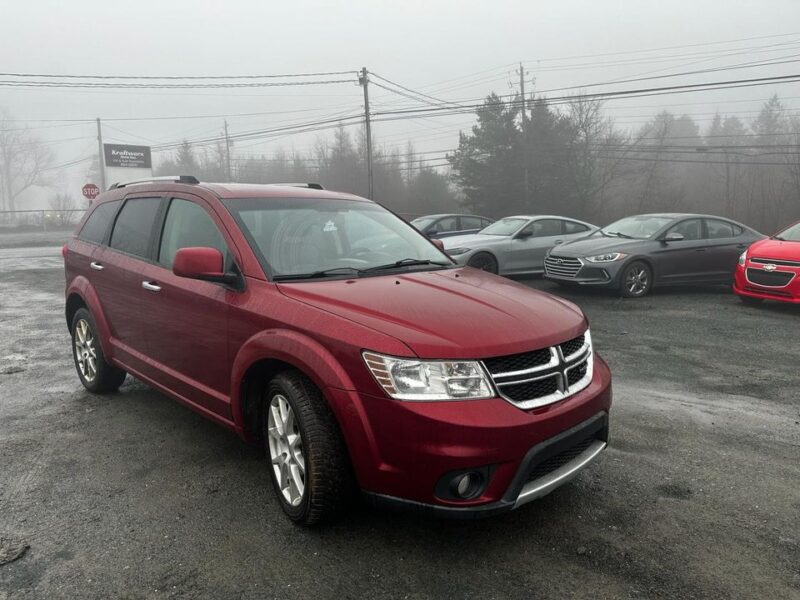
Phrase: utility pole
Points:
(363, 80)
(524, 134)
(228, 151)
(100, 158)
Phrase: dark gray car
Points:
(636, 253)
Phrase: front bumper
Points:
(588, 274)
(744, 286)
(401, 450)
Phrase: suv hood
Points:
(596, 244)
(453, 313)
(775, 249)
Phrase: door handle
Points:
(559, 242)
(701, 249)
(152, 287)
(96, 266)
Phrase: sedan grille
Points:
(769, 278)
(562, 267)
(533, 379)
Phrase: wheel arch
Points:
(81, 294)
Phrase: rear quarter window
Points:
(95, 228)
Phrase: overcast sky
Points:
(454, 50)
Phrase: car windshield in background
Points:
(790, 234)
(504, 227)
(641, 227)
(299, 238)
(422, 222)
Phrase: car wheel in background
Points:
(483, 261)
(309, 465)
(96, 375)
(637, 280)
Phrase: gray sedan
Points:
(515, 245)
(636, 253)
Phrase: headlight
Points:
(413, 379)
(457, 251)
(610, 257)
(743, 258)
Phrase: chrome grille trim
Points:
(558, 367)
(764, 285)
(562, 266)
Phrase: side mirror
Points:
(205, 264)
(522, 235)
(674, 237)
(438, 243)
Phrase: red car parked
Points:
(770, 269)
(347, 343)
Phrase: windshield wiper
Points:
(406, 262)
(319, 274)
(618, 234)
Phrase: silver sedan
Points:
(515, 245)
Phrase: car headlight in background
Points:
(743, 258)
(414, 379)
(608, 257)
(457, 251)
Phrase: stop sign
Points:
(90, 191)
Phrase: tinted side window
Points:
(690, 229)
(94, 230)
(546, 227)
(573, 227)
(719, 229)
(134, 225)
(446, 224)
(486, 222)
(470, 223)
(187, 225)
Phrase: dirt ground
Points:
(134, 496)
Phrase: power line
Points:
(162, 86)
(179, 77)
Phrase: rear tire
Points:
(636, 280)
(484, 261)
(96, 374)
(309, 465)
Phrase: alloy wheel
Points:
(85, 350)
(637, 280)
(286, 450)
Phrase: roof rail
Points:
(312, 186)
(191, 179)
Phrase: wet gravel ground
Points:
(134, 496)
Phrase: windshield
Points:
(640, 227)
(307, 236)
(790, 234)
(504, 227)
(422, 222)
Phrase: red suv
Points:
(333, 332)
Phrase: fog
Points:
(453, 52)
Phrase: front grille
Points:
(549, 465)
(770, 279)
(517, 362)
(519, 392)
(571, 347)
(561, 266)
(575, 374)
(541, 377)
(772, 261)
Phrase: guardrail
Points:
(39, 220)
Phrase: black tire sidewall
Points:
(488, 256)
(624, 277)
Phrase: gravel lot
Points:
(134, 496)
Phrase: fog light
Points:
(467, 484)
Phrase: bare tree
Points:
(63, 207)
(23, 160)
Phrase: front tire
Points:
(96, 374)
(636, 280)
(485, 262)
(309, 466)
